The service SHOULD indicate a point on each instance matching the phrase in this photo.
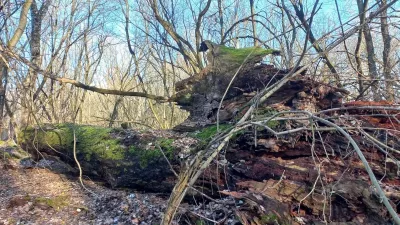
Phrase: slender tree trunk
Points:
(3, 65)
(300, 14)
(357, 53)
(221, 19)
(290, 42)
(3, 86)
(35, 49)
(114, 114)
(253, 23)
(387, 60)
(372, 69)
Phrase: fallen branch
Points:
(6, 53)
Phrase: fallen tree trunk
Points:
(304, 179)
(282, 167)
(123, 158)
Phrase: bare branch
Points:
(75, 83)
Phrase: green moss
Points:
(97, 141)
(185, 99)
(6, 155)
(166, 145)
(90, 140)
(56, 203)
(13, 152)
(55, 138)
(208, 132)
(270, 218)
(8, 143)
(147, 155)
(239, 55)
(200, 222)
(268, 112)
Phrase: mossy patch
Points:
(207, 133)
(166, 145)
(186, 99)
(57, 202)
(8, 143)
(90, 140)
(11, 151)
(98, 143)
(239, 55)
(270, 218)
(151, 153)
(268, 112)
(6, 155)
(58, 137)
(200, 222)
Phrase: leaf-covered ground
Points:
(40, 196)
(33, 193)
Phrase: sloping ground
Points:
(40, 196)
(44, 192)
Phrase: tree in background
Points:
(142, 48)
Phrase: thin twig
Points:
(79, 166)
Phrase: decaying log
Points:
(307, 170)
(123, 158)
(201, 96)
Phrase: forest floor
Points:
(34, 195)
(39, 196)
(40, 193)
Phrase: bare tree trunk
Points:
(357, 53)
(253, 23)
(35, 47)
(387, 60)
(3, 86)
(289, 58)
(372, 69)
(300, 14)
(3, 65)
(114, 114)
(221, 19)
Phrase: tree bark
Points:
(35, 50)
(3, 64)
(221, 20)
(114, 114)
(253, 23)
(372, 69)
(300, 14)
(360, 74)
(387, 60)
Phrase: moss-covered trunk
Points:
(123, 158)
